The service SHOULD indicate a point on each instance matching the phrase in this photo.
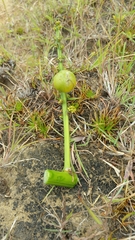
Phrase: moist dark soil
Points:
(38, 211)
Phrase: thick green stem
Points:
(67, 160)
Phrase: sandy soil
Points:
(41, 214)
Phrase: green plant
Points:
(68, 177)
(36, 123)
(125, 22)
(125, 92)
(18, 106)
(18, 139)
(105, 121)
(73, 107)
(20, 31)
(91, 213)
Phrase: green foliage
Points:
(18, 106)
(125, 21)
(74, 107)
(37, 124)
(90, 94)
(5, 55)
(125, 92)
(85, 93)
(20, 31)
(126, 62)
(105, 121)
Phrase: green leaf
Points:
(90, 94)
(127, 216)
(18, 106)
(69, 215)
(93, 215)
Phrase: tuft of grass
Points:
(15, 142)
(105, 122)
(37, 124)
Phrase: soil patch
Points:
(40, 212)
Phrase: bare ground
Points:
(39, 214)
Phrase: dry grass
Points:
(98, 46)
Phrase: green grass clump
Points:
(105, 122)
(36, 123)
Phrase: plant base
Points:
(63, 179)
